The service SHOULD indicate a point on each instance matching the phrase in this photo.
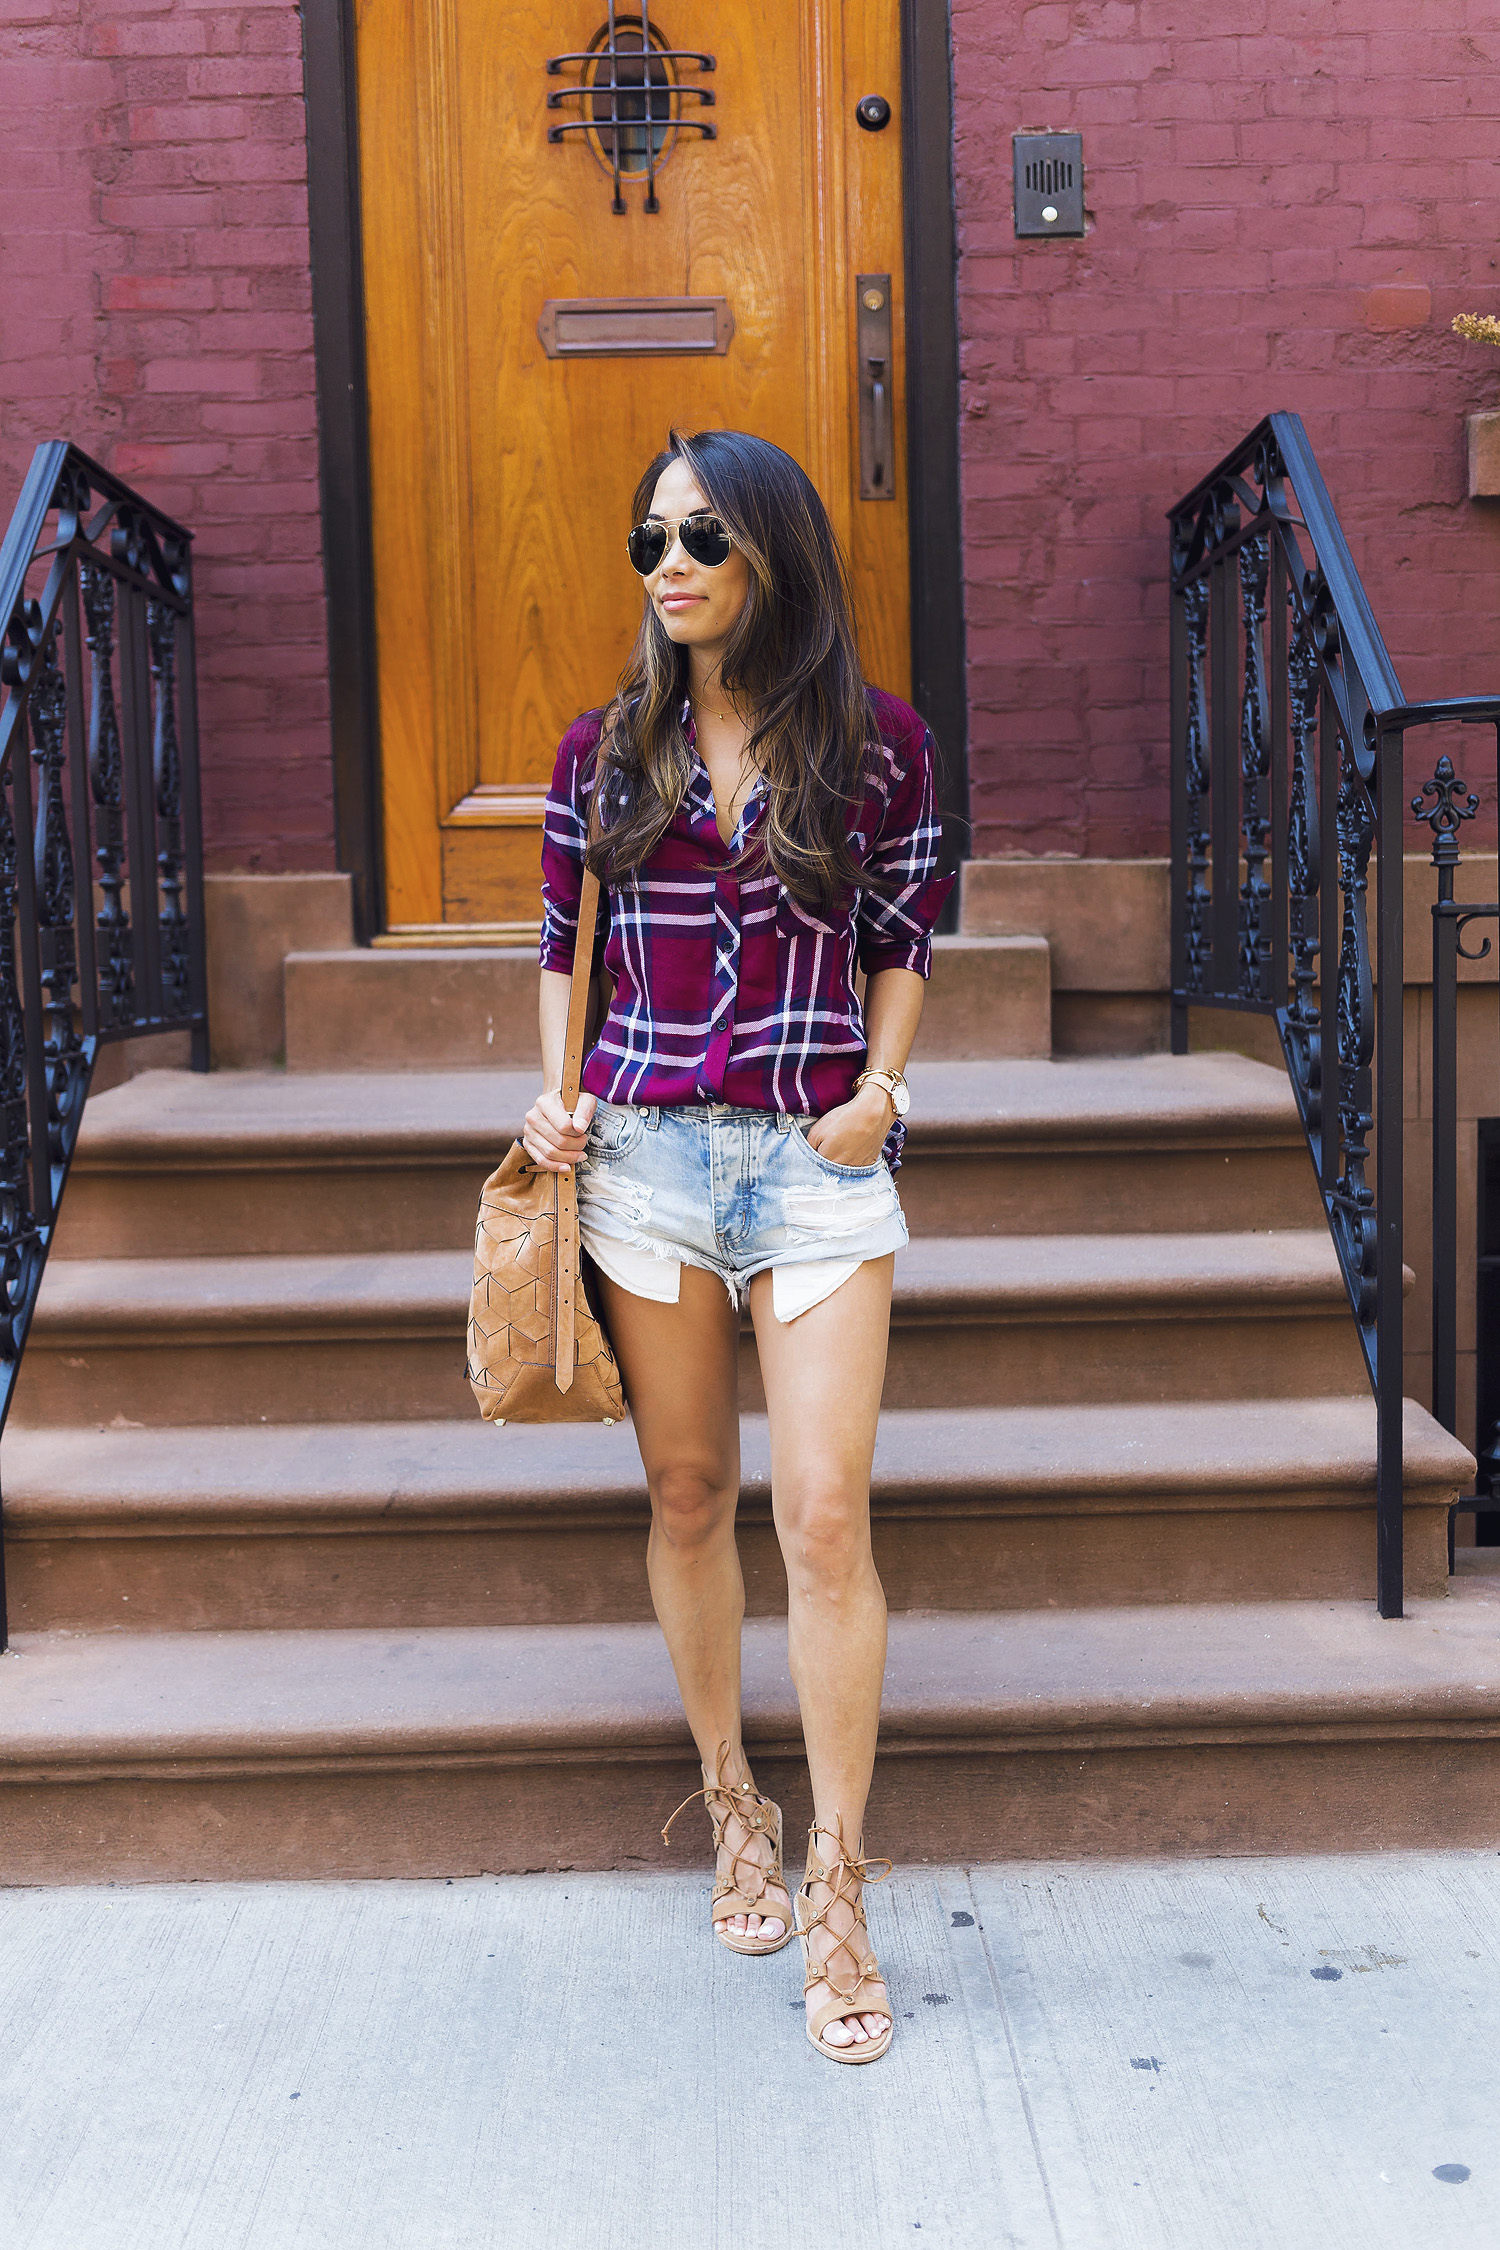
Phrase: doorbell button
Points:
(873, 113)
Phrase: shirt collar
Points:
(699, 800)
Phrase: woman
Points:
(761, 822)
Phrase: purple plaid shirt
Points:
(726, 989)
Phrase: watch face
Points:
(901, 1099)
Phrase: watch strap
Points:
(889, 1079)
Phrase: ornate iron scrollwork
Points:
(166, 762)
(101, 857)
(1255, 768)
(1452, 804)
(56, 902)
(1315, 660)
(1250, 518)
(20, 1244)
(1304, 878)
(1199, 841)
(631, 100)
(114, 954)
(1352, 1201)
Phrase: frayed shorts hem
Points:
(735, 1193)
(797, 1283)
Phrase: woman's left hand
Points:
(853, 1133)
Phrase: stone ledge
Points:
(254, 922)
(1107, 921)
(445, 1008)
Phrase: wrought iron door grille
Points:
(631, 100)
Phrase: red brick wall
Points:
(156, 310)
(1286, 213)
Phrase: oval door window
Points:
(630, 101)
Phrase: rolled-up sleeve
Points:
(564, 836)
(895, 923)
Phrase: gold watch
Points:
(895, 1086)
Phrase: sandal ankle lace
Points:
(741, 1801)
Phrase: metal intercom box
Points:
(1049, 183)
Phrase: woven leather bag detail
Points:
(536, 1350)
(512, 1309)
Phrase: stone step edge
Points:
(90, 1707)
(392, 959)
(929, 1463)
(255, 1297)
(958, 1109)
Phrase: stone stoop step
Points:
(456, 1523)
(416, 1008)
(1122, 1502)
(176, 1165)
(1221, 1727)
(976, 1321)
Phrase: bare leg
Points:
(823, 1375)
(679, 1363)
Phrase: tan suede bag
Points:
(537, 1351)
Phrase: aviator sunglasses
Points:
(704, 537)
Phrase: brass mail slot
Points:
(633, 327)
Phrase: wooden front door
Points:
(534, 330)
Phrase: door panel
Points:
(502, 476)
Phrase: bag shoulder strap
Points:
(565, 1261)
(578, 989)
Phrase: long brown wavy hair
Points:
(791, 661)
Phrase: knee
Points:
(826, 1538)
(690, 1505)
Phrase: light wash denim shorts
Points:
(735, 1191)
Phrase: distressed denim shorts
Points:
(735, 1191)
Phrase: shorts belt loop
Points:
(653, 1119)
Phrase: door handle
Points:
(877, 450)
(880, 469)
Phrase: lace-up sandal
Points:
(866, 1995)
(743, 1886)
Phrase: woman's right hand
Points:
(551, 1138)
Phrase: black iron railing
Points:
(101, 856)
(1288, 732)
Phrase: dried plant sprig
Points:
(1480, 328)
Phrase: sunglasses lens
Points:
(706, 540)
(646, 545)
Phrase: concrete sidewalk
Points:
(1206, 2055)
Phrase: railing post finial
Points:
(1444, 815)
